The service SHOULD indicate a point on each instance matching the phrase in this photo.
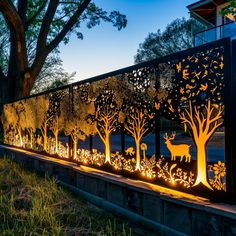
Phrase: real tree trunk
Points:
(107, 149)
(16, 85)
(6, 93)
(8, 89)
(201, 164)
(137, 143)
(18, 80)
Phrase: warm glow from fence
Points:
(186, 91)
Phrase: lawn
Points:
(35, 205)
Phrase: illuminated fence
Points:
(163, 121)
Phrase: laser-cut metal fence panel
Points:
(160, 121)
(195, 101)
(57, 114)
(139, 116)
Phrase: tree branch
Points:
(68, 26)
(100, 135)
(114, 124)
(17, 30)
(216, 125)
(73, 135)
(10, 13)
(22, 9)
(62, 17)
(143, 123)
(185, 120)
(131, 131)
(200, 122)
(112, 116)
(144, 132)
(190, 113)
(45, 26)
(209, 110)
(217, 116)
(30, 20)
(37, 66)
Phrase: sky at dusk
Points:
(105, 49)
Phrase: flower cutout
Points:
(219, 169)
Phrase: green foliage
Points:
(31, 205)
(41, 26)
(4, 46)
(92, 16)
(52, 74)
(230, 9)
(176, 37)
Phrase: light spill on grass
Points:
(32, 205)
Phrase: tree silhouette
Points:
(75, 122)
(176, 37)
(138, 108)
(107, 96)
(9, 120)
(106, 120)
(40, 113)
(33, 119)
(28, 120)
(139, 121)
(203, 123)
(56, 123)
(19, 119)
(55, 127)
(196, 100)
(14, 116)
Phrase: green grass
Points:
(34, 205)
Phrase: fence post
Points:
(230, 118)
(71, 101)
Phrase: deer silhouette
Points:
(177, 150)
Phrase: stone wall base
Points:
(155, 207)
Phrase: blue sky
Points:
(105, 49)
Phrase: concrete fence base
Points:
(151, 206)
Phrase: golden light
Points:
(203, 125)
(131, 108)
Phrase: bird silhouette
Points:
(204, 87)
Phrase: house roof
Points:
(206, 9)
